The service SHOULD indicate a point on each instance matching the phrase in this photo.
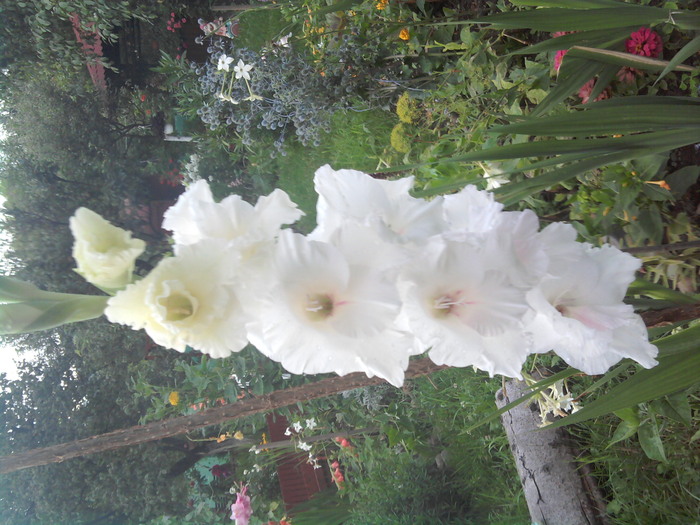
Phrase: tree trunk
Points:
(180, 425)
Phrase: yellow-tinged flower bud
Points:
(174, 398)
(105, 254)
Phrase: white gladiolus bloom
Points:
(187, 300)
(233, 222)
(459, 303)
(580, 315)
(471, 211)
(385, 205)
(105, 254)
(326, 314)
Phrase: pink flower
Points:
(644, 42)
(587, 88)
(241, 511)
(560, 54)
(626, 75)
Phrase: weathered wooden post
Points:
(557, 491)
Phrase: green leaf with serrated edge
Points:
(619, 58)
(607, 120)
(650, 440)
(535, 389)
(673, 373)
(658, 291)
(685, 52)
(562, 19)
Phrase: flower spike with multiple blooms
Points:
(383, 277)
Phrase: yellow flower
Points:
(381, 4)
(404, 34)
(238, 435)
(407, 109)
(222, 437)
(174, 398)
(399, 139)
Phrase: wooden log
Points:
(557, 490)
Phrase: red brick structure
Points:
(299, 481)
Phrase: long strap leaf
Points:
(619, 58)
(673, 373)
(602, 38)
(562, 19)
(685, 52)
(570, 4)
(657, 291)
(607, 120)
(573, 74)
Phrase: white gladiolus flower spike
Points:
(187, 300)
(104, 253)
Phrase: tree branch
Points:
(180, 425)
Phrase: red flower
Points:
(220, 471)
(645, 42)
(143, 97)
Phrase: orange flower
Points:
(404, 34)
(661, 183)
(381, 4)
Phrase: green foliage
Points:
(657, 459)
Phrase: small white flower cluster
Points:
(384, 276)
(190, 172)
(246, 472)
(557, 402)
